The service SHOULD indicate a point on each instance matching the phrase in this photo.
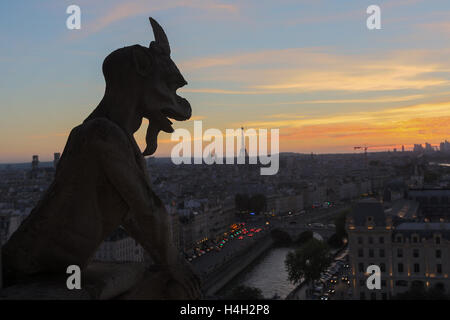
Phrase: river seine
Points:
(267, 273)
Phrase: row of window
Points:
(398, 283)
(416, 253)
(370, 240)
(398, 238)
(373, 296)
(363, 270)
(381, 253)
(416, 239)
(433, 200)
(362, 283)
(400, 267)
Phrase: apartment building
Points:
(408, 253)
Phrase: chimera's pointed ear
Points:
(142, 60)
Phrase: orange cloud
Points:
(379, 116)
(220, 91)
(381, 136)
(300, 70)
(399, 126)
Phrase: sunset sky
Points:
(308, 67)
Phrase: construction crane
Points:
(364, 147)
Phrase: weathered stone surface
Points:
(101, 180)
(99, 281)
(156, 285)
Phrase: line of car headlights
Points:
(330, 279)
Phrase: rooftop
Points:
(423, 226)
(368, 208)
(424, 229)
(403, 208)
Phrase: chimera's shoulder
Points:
(100, 130)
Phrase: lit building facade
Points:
(408, 253)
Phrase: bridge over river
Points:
(219, 268)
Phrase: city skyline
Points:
(313, 70)
(396, 148)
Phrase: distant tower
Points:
(56, 157)
(211, 158)
(403, 148)
(34, 167)
(243, 151)
(35, 162)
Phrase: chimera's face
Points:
(161, 93)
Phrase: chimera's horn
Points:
(160, 36)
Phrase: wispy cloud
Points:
(380, 116)
(306, 70)
(129, 9)
(383, 99)
(223, 91)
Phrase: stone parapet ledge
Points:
(99, 281)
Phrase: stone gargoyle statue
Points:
(101, 181)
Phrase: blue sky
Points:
(310, 68)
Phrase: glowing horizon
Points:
(311, 69)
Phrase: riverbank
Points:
(234, 267)
(299, 292)
(267, 273)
